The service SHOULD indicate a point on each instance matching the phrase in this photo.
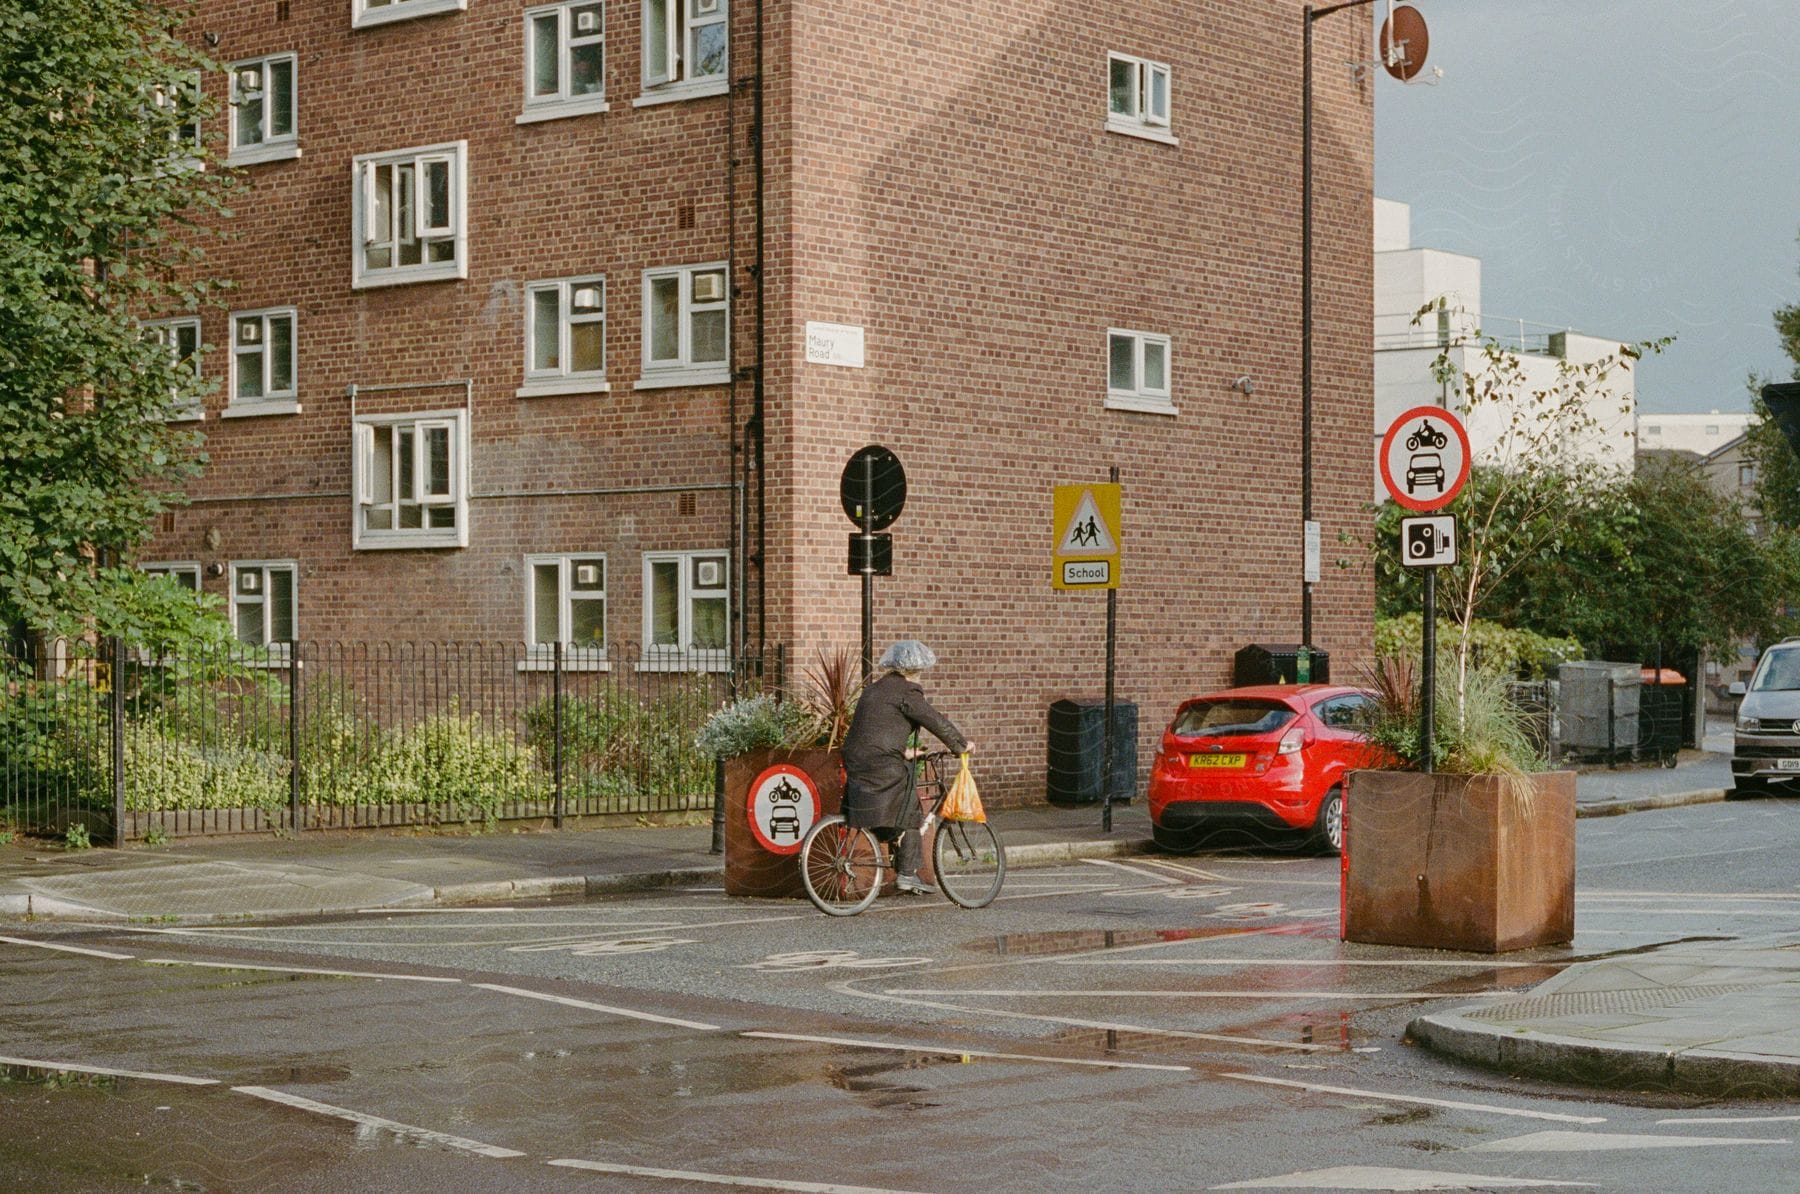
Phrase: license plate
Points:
(1787, 764)
(1238, 761)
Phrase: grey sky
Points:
(1628, 168)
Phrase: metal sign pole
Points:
(1112, 635)
(1428, 670)
(868, 571)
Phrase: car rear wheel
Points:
(1175, 841)
(1328, 829)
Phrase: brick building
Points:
(518, 346)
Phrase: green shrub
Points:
(164, 771)
(1502, 650)
(53, 737)
(1477, 732)
(615, 745)
(753, 723)
(451, 762)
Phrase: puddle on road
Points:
(874, 1085)
(1082, 941)
(55, 1079)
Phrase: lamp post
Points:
(1402, 66)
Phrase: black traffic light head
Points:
(1783, 400)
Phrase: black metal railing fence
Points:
(128, 745)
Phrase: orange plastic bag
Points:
(964, 801)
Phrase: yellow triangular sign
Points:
(1087, 531)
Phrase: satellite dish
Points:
(1404, 43)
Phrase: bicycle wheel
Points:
(970, 862)
(840, 867)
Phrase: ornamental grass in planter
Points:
(1478, 854)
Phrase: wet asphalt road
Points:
(1148, 1024)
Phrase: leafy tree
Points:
(102, 202)
(1777, 468)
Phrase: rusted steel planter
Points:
(1462, 862)
(751, 867)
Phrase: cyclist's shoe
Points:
(913, 885)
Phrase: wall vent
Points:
(684, 505)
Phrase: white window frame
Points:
(363, 13)
(683, 371)
(682, 20)
(185, 142)
(285, 402)
(278, 651)
(563, 379)
(455, 229)
(270, 146)
(562, 104)
(682, 655)
(174, 568)
(1141, 397)
(540, 656)
(164, 330)
(1141, 121)
(363, 494)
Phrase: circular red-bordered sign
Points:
(1424, 458)
(784, 803)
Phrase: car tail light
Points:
(1291, 742)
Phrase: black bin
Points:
(1078, 751)
(1277, 663)
(1662, 719)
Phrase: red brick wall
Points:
(939, 173)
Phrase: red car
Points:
(1268, 760)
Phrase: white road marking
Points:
(953, 1051)
(67, 949)
(405, 978)
(724, 1179)
(849, 988)
(628, 1013)
(1216, 877)
(1736, 1119)
(1587, 1142)
(1370, 1177)
(1131, 870)
(1484, 1108)
(1635, 896)
(74, 1067)
(1273, 996)
(405, 1131)
(1316, 962)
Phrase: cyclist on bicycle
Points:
(878, 788)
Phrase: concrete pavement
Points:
(1714, 1018)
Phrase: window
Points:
(180, 338)
(186, 576)
(410, 217)
(262, 111)
(262, 363)
(1137, 101)
(1138, 368)
(1712, 429)
(686, 327)
(1653, 430)
(565, 60)
(565, 337)
(684, 49)
(379, 12)
(1746, 476)
(685, 610)
(264, 602)
(565, 602)
(182, 98)
(412, 480)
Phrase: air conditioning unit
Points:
(709, 288)
(587, 22)
(707, 574)
(587, 576)
(249, 82)
(586, 298)
(250, 332)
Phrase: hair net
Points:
(908, 655)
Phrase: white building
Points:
(1701, 434)
(1408, 278)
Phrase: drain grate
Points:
(1591, 1003)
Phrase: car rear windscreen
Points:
(1231, 716)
